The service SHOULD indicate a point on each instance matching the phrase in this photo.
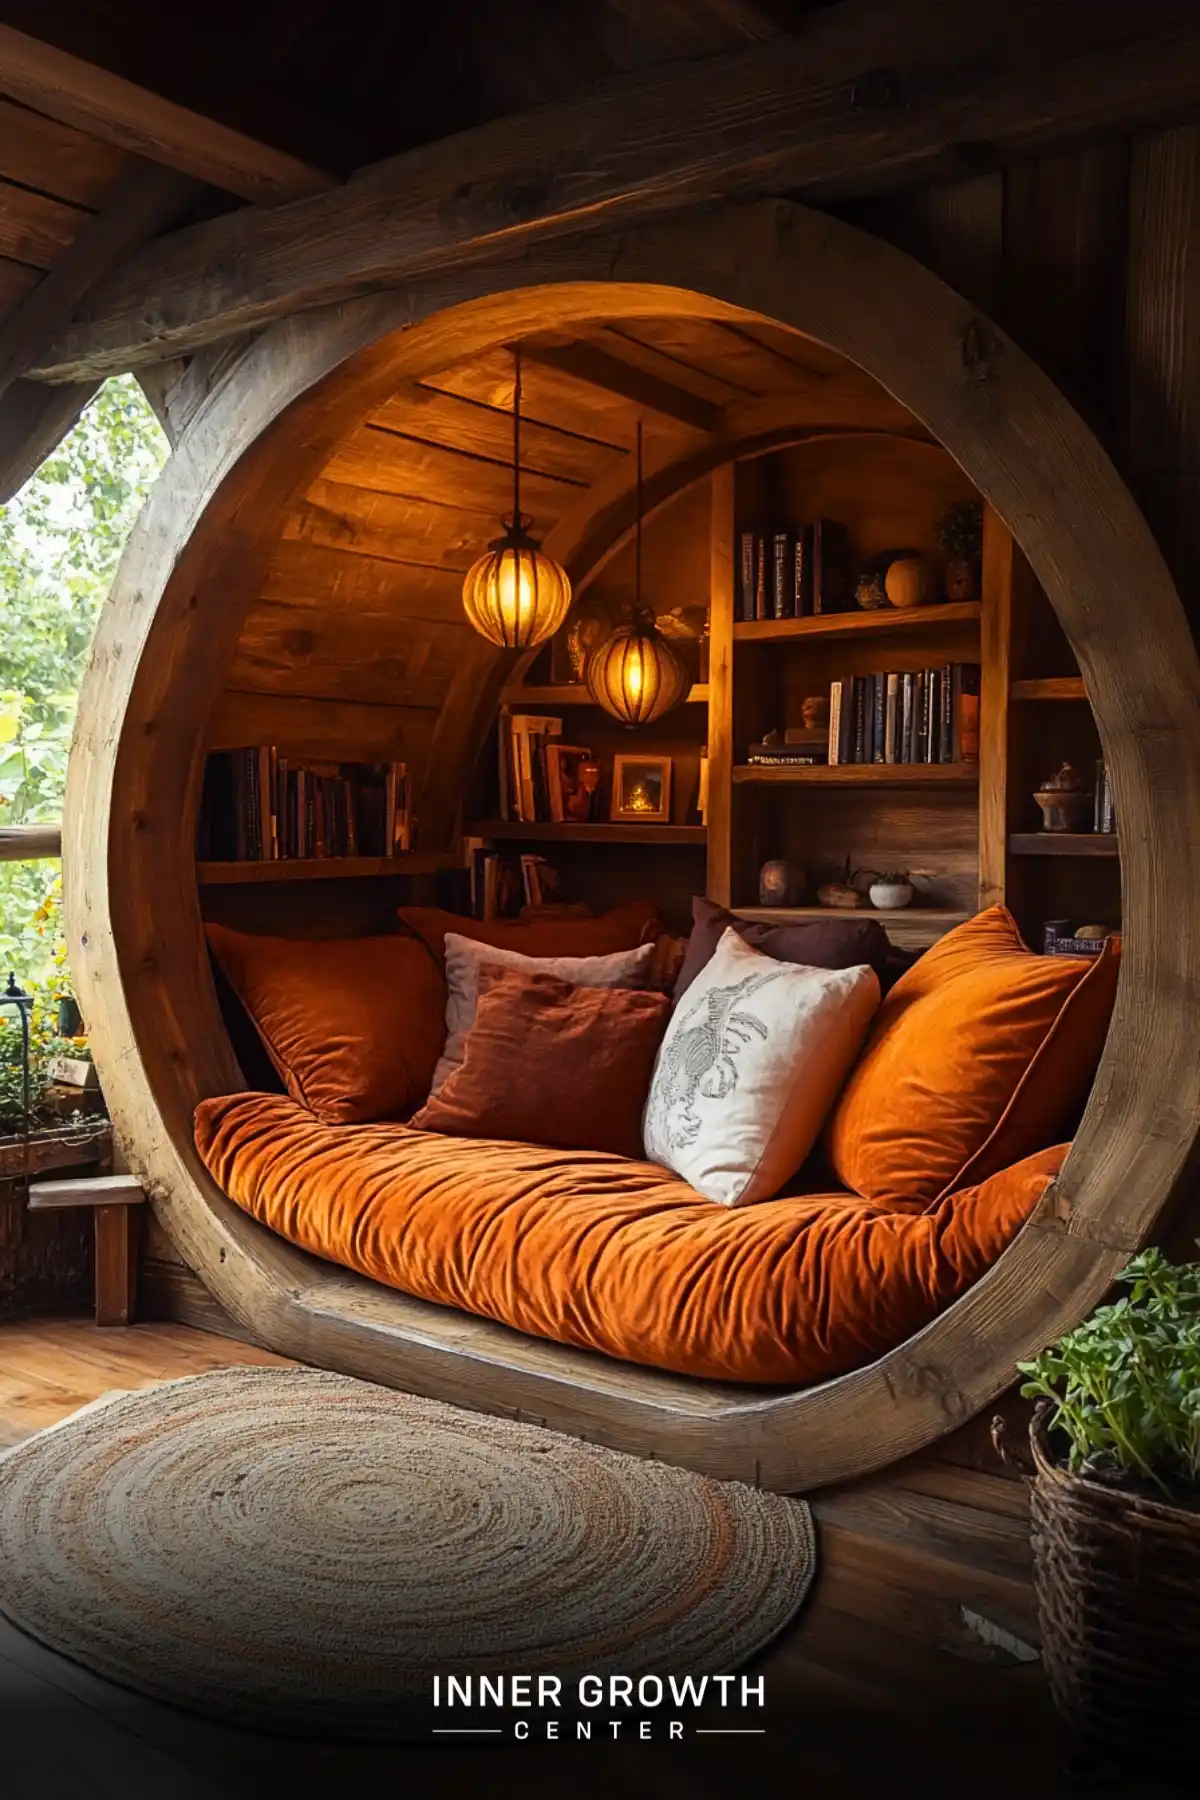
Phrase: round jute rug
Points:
(303, 1553)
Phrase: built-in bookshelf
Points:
(965, 827)
(267, 816)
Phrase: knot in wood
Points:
(879, 90)
(299, 643)
(979, 348)
(525, 194)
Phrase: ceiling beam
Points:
(596, 367)
(145, 200)
(118, 111)
(868, 94)
(34, 419)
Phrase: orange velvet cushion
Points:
(548, 1063)
(624, 928)
(613, 1255)
(981, 1054)
(354, 1025)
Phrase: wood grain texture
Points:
(122, 114)
(863, 99)
(164, 645)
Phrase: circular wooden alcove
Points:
(259, 490)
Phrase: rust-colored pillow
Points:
(354, 1025)
(981, 1054)
(624, 928)
(549, 1063)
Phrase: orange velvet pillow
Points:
(354, 1025)
(549, 1063)
(624, 928)
(981, 1054)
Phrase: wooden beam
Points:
(146, 199)
(120, 112)
(599, 369)
(868, 95)
(34, 419)
(86, 1190)
(29, 843)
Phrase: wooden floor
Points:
(887, 1683)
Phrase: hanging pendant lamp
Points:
(636, 675)
(516, 595)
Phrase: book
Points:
(891, 718)
(858, 752)
(802, 572)
(830, 558)
(879, 718)
(933, 711)
(760, 575)
(920, 716)
(835, 721)
(946, 714)
(781, 576)
(908, 694)
(966, 726)
(747, 572)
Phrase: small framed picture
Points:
(641, 789)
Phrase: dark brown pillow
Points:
(821, 943)
(549, 1063)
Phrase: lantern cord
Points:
(517, 439)
(637, 565)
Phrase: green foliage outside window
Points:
(61, 538)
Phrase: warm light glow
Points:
(636, 675)
(515, 594)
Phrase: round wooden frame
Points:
(168, 632)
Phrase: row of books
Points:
(539, 775)
(914, 716)
(258, 806)
(502, 884)
(790, 574)
(1105, 811)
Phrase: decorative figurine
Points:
(814, 712)
(781, 883)
(870, 593)
(589, 787)
(1065, 800)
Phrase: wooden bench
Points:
(113, 1199)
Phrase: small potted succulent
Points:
(960, 534)
(1116, 1520)
(890, 889)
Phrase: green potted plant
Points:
(1116, 1519)
(960, 534)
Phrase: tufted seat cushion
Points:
(609, 1254)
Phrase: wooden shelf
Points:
(909, 927)
(1063, 843)
(913, 775)
(319, 868)
(575, 694)
(826, 625)
(1051, 687)
(618, 832)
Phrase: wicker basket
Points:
(1118, 1583)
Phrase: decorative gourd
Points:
(909, 582)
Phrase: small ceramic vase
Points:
(961, 583)
(890, 896)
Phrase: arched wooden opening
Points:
(168, 635)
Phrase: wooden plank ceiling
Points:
(358, 627)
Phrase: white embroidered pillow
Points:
(465, 958)
(754, 1057)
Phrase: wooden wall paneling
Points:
(394, 464)
(932, 835)
(35, 228)
(322, 729)
(395, 527)
(676, 352)
(550, 398)
(478, 429)
(335, 653)
(888, 491)
(635, 374)
(1162, 439)
(721, 599)
(309, 575)
(329, 908)
(995, 639)
(1066, 235)
(956, 228)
